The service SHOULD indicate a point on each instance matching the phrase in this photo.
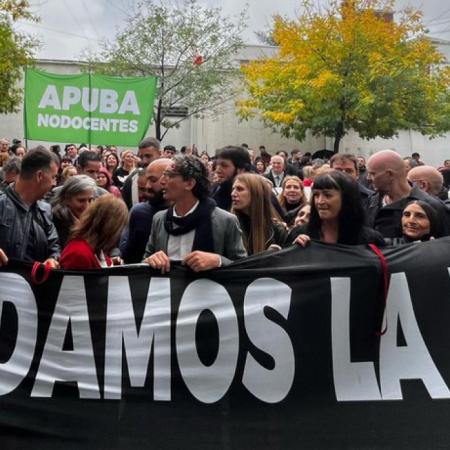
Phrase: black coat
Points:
(366, 236)
(27, 233)
(387, 219)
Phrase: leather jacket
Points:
(27, 233)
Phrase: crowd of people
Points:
(82, 208)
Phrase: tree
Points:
(16, 52)
(189, 48)
(350, 67)
(265, 37)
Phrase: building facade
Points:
(225, 128)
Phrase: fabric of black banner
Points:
(309, 417)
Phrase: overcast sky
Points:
(69, 26)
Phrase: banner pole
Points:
(90, 113)
(25, 134)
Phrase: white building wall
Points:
(225, 128)
(432, 151)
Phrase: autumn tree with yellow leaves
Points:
(350, 68)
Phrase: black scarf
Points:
(200, 220)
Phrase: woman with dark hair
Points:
(205, 158)
(337, 214)
(291, 198)
(111, 162)
(253, 207)
(104, 181)
(69, 202)
(303, 215)
(56, 149)
(96, 234)
(260, 166)
(420, 223)
(65, 163)
(302, 218)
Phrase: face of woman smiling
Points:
(303, 216)
(111, 162)
(102, 181)
(415, 222)
(292, 191)
(328, 203)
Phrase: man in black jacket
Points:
(148, 150)
(348, 164)
(387, 172)
(26, 229)
(136, 234)
(231, 161)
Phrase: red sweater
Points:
(78, 254)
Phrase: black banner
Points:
(278, 351)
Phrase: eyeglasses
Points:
(171, 173)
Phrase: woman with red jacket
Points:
(96, 234)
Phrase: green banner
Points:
(94, 109)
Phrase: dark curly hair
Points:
(192, 168)
(237, 155)
(351, 217)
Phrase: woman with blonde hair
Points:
(96, 234)
(127, 165)
(252, 205)
(291, 198)
(68, 172)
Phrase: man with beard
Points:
(148, 151)
(231, 161)
(135, 236)
(192, 231)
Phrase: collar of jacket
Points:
(12, 194)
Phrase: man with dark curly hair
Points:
(194, 230)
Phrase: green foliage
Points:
(347, 68)
(168, 42)
(16, 52)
